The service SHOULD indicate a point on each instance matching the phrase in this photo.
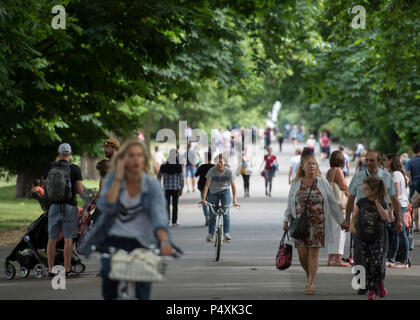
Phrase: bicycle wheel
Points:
(218, 243)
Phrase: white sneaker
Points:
(209, 238)
(228, 238)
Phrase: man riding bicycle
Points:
(219, 181)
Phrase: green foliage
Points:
(364, 83)
(121, 66)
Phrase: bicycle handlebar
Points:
(213, 205)
(176, 252)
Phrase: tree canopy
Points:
(123, 65)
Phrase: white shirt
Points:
(294, 164)
(132, 221)
(346, 160)
(159, 157)
(397, 176)
(311, 143)
(360, 148)
(227, 135)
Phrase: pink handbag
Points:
(284, 254)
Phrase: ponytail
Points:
(378, 186)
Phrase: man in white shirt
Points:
(294, 165)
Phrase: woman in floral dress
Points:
(323, 212)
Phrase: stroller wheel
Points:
(79, 268)
(39, 271)
(10, 271)
(23, 272)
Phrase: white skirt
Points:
(339, 236)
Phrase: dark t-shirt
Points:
(201, 172)
(414, 167)
(369, 224)
(75, 175)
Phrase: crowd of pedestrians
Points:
(133, 204)
(372, 207)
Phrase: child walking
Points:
(369, 221)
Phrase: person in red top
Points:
(325, 145)
(270, 168)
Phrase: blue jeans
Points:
(397, 240)
(110, 287)
(190, 171)
(205, 208)
(214, 198)
(269, 174)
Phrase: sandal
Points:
(310, 290)
(333, 263)
(343, 264)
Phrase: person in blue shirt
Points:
(413, 172)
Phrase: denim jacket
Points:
(152, 198)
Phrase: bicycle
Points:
(219, 212)
(139, 265)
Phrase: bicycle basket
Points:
(140, 265)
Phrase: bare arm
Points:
(79, 186)
(290, 175)
(234, 193)
(397, 211)
(398, 189)
(114, 191)
(206, 189)
(350, 206)
(382, 212)
(354, 219)
(165, 248)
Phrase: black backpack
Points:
(58, 187)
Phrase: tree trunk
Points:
(88, 168)
(24, 182)
(147, 133)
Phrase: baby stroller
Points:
(30, 252)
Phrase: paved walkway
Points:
(246, 269)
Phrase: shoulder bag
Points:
(284, 254)
(301, 229)
(339, 195)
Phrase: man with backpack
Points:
(63, 180)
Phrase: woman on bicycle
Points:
(219, 181)
(134, 214)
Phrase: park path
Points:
(246, 269)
